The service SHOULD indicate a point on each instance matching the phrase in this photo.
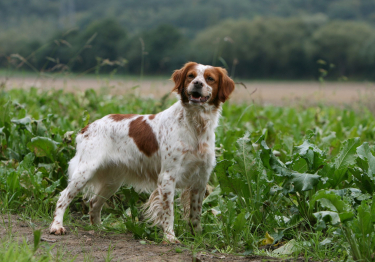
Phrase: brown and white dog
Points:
(153, 153)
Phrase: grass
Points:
(293, 172)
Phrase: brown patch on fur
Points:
(185, 202)
(120, 117)
(222, 87)
(83, 130)
(180, 116)
(151, 117)
(201, 124)
(143, 136)
(203, 148)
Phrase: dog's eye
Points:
(191, 76)
(210, 78)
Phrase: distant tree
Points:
(163, 50)
(263, 47)
(81, 50)
(107, 36)
(344, 9)
(341, 43)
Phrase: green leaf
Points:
(222, 175)
(13, 182)
(5, 119)
(331, 200)
(239, 222)
(27, 163)
(37, 237)
(213, 197)
(303, 182)
(43, 146)
(368, 160)
(288, 249)
(326, 217)
(347, 156)
(312, 154)
(86, 118)
(52, 187)
(270, 161)
(344, 159)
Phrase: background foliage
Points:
(253, 39)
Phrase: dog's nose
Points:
(198, 84)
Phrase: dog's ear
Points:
(226, 85)
(179, 76)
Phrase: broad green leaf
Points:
(368, 160)
(43, 146)
(52, 187)
(303, 182)
(240, 222)
(243, 156)
(312, 154)
(288, 249)
(331, 200)
(13, 181)
(24, 123)
(222, 175)
(326, 217)
(362, 180)
(328, 139)
(344, 159)
(347, 156)
(270, 161)
(26, 163)
(213, 196)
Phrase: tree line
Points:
(292, 48)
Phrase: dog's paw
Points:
(57, 230)
(170, 239)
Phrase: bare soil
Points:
(93, 245)
(262, 92)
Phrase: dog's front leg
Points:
(166, 189)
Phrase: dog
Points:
(153, 153)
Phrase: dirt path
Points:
(277, 93)
(93, 245)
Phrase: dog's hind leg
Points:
(196, 199)
(102, 194)
(78, 179)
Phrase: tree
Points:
(340, 43)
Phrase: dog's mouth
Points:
(196, 97)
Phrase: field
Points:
(260, 92)
(294, 180)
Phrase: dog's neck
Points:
(202, 119)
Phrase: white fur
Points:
(107, 158)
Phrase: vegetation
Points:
(253, 39)
(303, 177)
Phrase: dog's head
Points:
(201, 84)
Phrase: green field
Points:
(290, 182)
